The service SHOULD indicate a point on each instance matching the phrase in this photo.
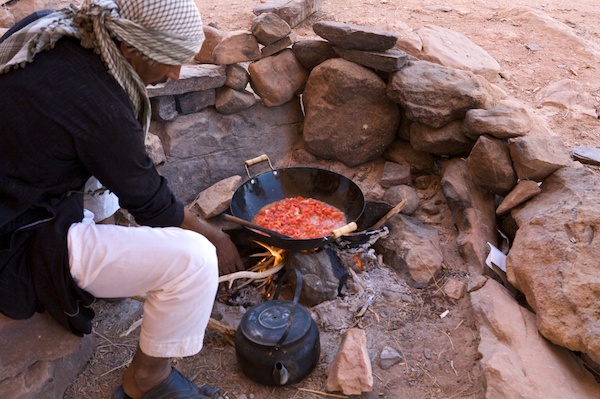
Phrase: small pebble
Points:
(533, 47)
(427, 353)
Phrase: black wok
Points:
(275, 185)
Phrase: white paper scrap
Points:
(497, 258)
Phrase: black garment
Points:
(64, 119)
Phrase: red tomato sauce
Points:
(301, 218)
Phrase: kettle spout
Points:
(280, 374)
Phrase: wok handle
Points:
(243, 222)
(254, 161)
(350, 227)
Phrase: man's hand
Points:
(229, 258)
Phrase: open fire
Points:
(265, 262)
(261, 273)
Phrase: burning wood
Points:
(360, 256)
(271, 263)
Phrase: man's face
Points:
(150, 73)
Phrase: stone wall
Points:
(490, 153)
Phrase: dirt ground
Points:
(440, 358)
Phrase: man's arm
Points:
(229, 258)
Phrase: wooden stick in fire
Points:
(388, 215)
(251, 275)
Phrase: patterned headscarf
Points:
(164, 31)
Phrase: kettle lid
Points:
(266, 323)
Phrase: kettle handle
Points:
(288, 327)
(298, 285)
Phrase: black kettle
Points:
(277, 341)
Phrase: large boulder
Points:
(473, 211)
(347, 114)
(491, 167)
(517, 362)
(278, 79)
(554, 259)
(412, 249)
(435, 95)
(39, 357)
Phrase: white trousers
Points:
(177, 270)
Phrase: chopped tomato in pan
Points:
(301, 218)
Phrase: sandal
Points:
(176, 386)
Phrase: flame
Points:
(276, 253)
(270, 259)
(358, 259)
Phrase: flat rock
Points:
(39, 358)
(311, 53)
(536, 157)
(206, 147)
(588, 155)
(524, 190)
(355, 37)
(291, 11)
(452, 49)
(276, 47)
(387, 61)
(191, 78)
(501, 122)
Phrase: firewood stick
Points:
(391, 213)
(226, 331)
(252, 275)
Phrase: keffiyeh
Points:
(165, 31)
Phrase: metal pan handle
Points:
(254, 161)
(243, 222)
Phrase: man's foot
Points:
(176, 386)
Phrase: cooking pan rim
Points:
(300, 244)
